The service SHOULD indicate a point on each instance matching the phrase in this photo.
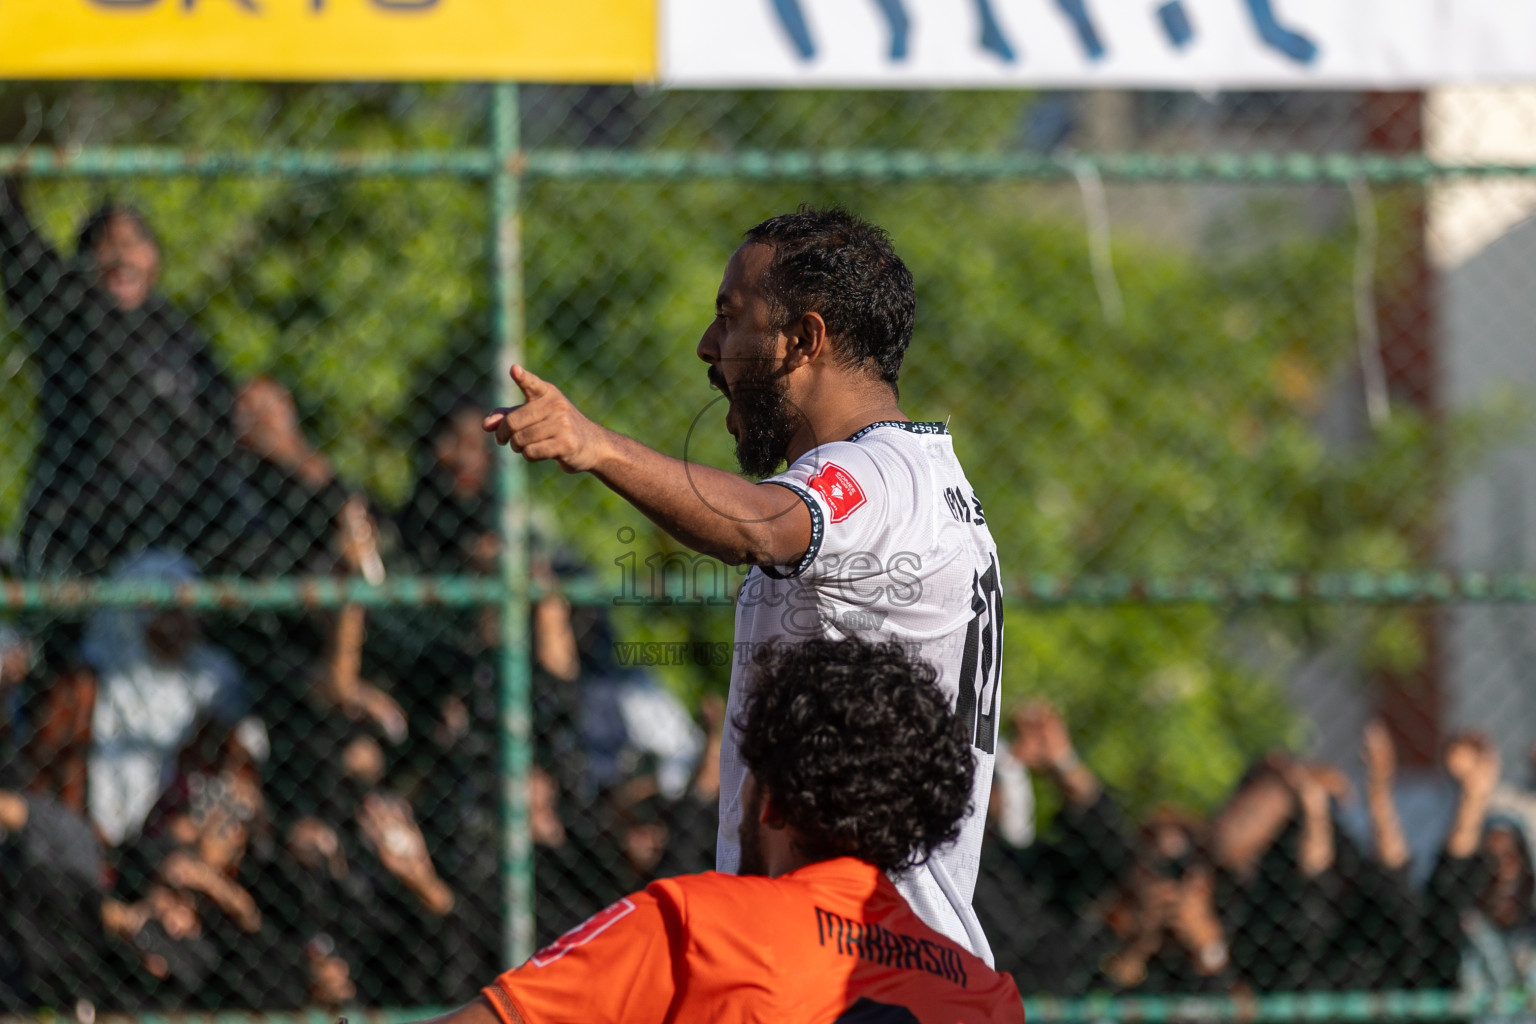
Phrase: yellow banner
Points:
(526, 40)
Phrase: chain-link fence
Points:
(287, 722)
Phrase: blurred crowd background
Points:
(1217, 373)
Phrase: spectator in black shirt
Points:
(1304, 907)
(1480, 920)
(292, 489)
(135, 440)
(1172, 939)
(1036, 897)
(81, 945)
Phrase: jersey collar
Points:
(907, 425)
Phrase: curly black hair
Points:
(858, 750)
(830, 262)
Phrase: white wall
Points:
(1483, 242)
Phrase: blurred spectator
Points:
(449, 526)
(693, 819)
(571, 646)
(450, 520)
(311, 890)
(1303, 906)
(355, 852)
(319, 699)
(1171, 939)
(16, 656)
(1274, 846)
(364, 877)
(112, 475)
(640, 813)
(330, 736)
(296, 501)
(82, 947)
(59, 747)
(1480, 913)
(156, 677)
(210, 837)
(1040, 899)
(627, 716)
(1386, 933)
(303, 522)
(174, 955)
(50, 901)
(267, 424)
(570, 869)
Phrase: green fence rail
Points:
(1039, 592)
(753, 165)
(1282, 1007)
(1276, 1008)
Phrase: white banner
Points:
(1171, 44)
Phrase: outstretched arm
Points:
(710, 510)
(1473, 761)
(30, 269)
(1380, 770)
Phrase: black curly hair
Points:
(858, 749)
(830, 262)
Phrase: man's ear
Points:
(768, 811)
(807, 340)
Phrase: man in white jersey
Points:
(872, 530)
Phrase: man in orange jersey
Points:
(857, 769)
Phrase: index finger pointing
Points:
(531, 384)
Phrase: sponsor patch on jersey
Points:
(860, 620)
(583, 933)
(843, 493)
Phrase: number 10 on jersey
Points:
(981, 666)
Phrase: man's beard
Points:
(750, 838)
(767, 419)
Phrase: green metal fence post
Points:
(517, 850)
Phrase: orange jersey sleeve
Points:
(618, 965)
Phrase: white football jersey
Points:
(899, 551)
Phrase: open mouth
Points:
(121, 278)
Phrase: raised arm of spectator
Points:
(1043, 745)
(1473, 762)
(554, 638)
(186, 871)
(13, 811)
(1380, 758)
(1459, 874)
(341, 683)
(30, 269)
(1387, 911)
(1251, 821)
(1315, 790)
(390, 827)
(344, 654)
(1094, 850)
(706, 781)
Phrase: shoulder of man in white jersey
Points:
(850, 486)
